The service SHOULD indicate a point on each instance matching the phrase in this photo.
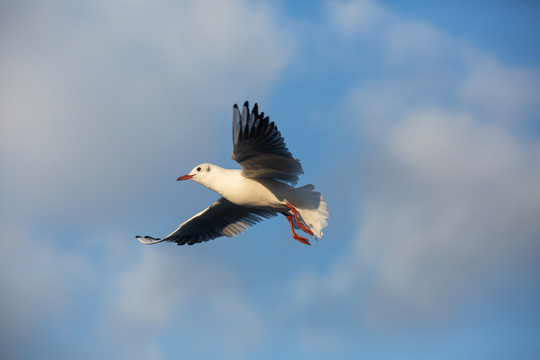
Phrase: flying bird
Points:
(263, 187)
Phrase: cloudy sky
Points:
(420, 124)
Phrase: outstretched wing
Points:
(222, 218)
(259, 147)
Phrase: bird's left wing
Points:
(259, 147)
(222, 218)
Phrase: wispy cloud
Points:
(84, 98)
(100, 102)
(201, 301)
(449, 187)
(40, 286)
(455, 210)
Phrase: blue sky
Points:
(418, 122)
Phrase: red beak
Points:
(185, 177)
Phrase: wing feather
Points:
(222, 218)
(260, 149)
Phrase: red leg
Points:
(295, 236)
(300, 225)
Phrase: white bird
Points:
(258, 191)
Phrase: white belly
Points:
(240, 190)
(253, 193)
(248, 192)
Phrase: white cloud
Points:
(98, 102)
(351, 17)
(38, 282)
(450, 196)
(456, 210)
(201, 302)
(94, 96)
(501, 93)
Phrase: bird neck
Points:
(220, 179)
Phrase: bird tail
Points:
(311, 208)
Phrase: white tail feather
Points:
(311, 208)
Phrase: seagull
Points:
(263, 187)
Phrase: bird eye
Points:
(199, 168)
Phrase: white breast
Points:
(248, 192)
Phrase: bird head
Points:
(199, 173)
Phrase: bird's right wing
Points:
(222, 218)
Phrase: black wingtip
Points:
(147, 237)
(255, 110)
(235, 106)
(246, 104)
